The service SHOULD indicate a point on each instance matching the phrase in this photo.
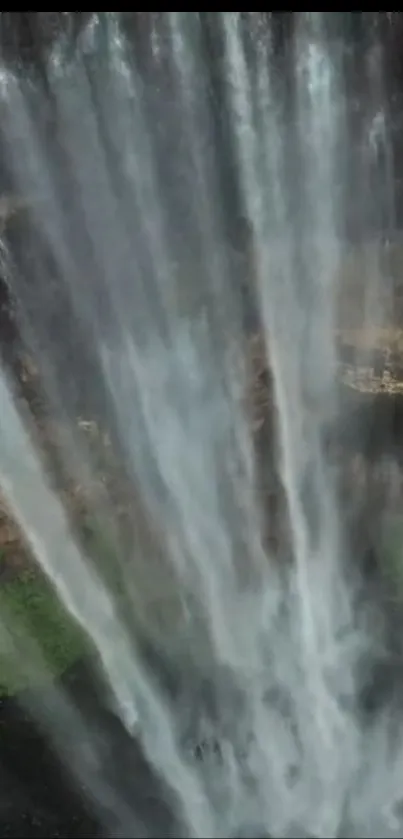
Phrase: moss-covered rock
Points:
(38, 638)
(391, 552)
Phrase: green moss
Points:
(391, 551)
(39, 640)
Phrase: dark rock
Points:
(38, 797)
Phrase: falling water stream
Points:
(127, 225)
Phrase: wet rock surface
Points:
(37, 795)
(36, 799)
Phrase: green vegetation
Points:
(391, 552)
(38, 639)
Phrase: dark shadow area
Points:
(37, 795)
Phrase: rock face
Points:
(27, 36)
(371, 390)
(365, 440)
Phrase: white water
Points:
(133, 216)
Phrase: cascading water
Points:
(121, 167)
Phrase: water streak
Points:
(127, 236)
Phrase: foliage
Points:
(34, 621)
